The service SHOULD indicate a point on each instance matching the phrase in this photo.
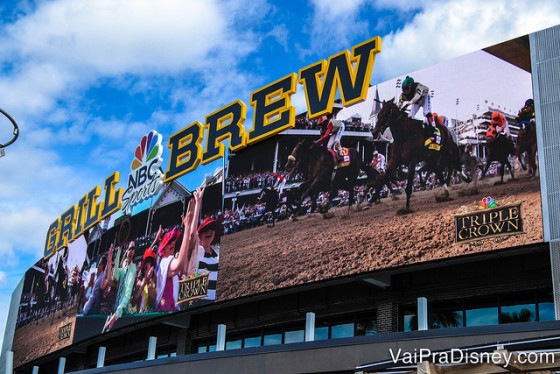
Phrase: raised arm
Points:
(198, 194)
(158, 236)
(192, 258)
(178, 264)
(117, 268)
(108, 273)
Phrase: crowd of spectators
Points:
(256, 180)
(250, 216)
(349, 125)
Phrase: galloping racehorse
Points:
(408, 148)
(527, 143)
(373, 181)
(499, 148)
(317, 165)
(472, 165)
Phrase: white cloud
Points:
(3, 278)
(443, 30)
(23, 231)
(334, 23)
(65, 46)
(433, 30)
(110, 37)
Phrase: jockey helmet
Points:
(375, 153)
(529, 102)
(440, 120)
(408, 81)
(495, 117)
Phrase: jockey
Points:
(500, 122)
(415, 95)
(333, 129)
(279, 182)
(378, 162)
(440, 120)
(527, 114)
(443, 121)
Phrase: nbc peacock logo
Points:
(146, 177)
(148, 149)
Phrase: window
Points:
(295, 336)
(344, 330)
(546, 312)
(446, 314)
(251, 342)
(408, 318)
(518, 313)
(322, 333)
(202, 349)
(546, 306)
(482, 316)
(272, 339)
(366, 325)
(518, 307)
(233, 344)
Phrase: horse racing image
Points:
(51, 293)
(391, 181)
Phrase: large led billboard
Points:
(160, 260)
(477, 215)
(265, 222)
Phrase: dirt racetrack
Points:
(40, 337)
(314, 249)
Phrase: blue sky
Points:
(85, 80)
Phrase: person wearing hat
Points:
(378, 162)
(416, 95)
(526, 115)
(500, 122)
(332, 129)
(279, 182)
(441, 120)
(144, 299)
(169, 267)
